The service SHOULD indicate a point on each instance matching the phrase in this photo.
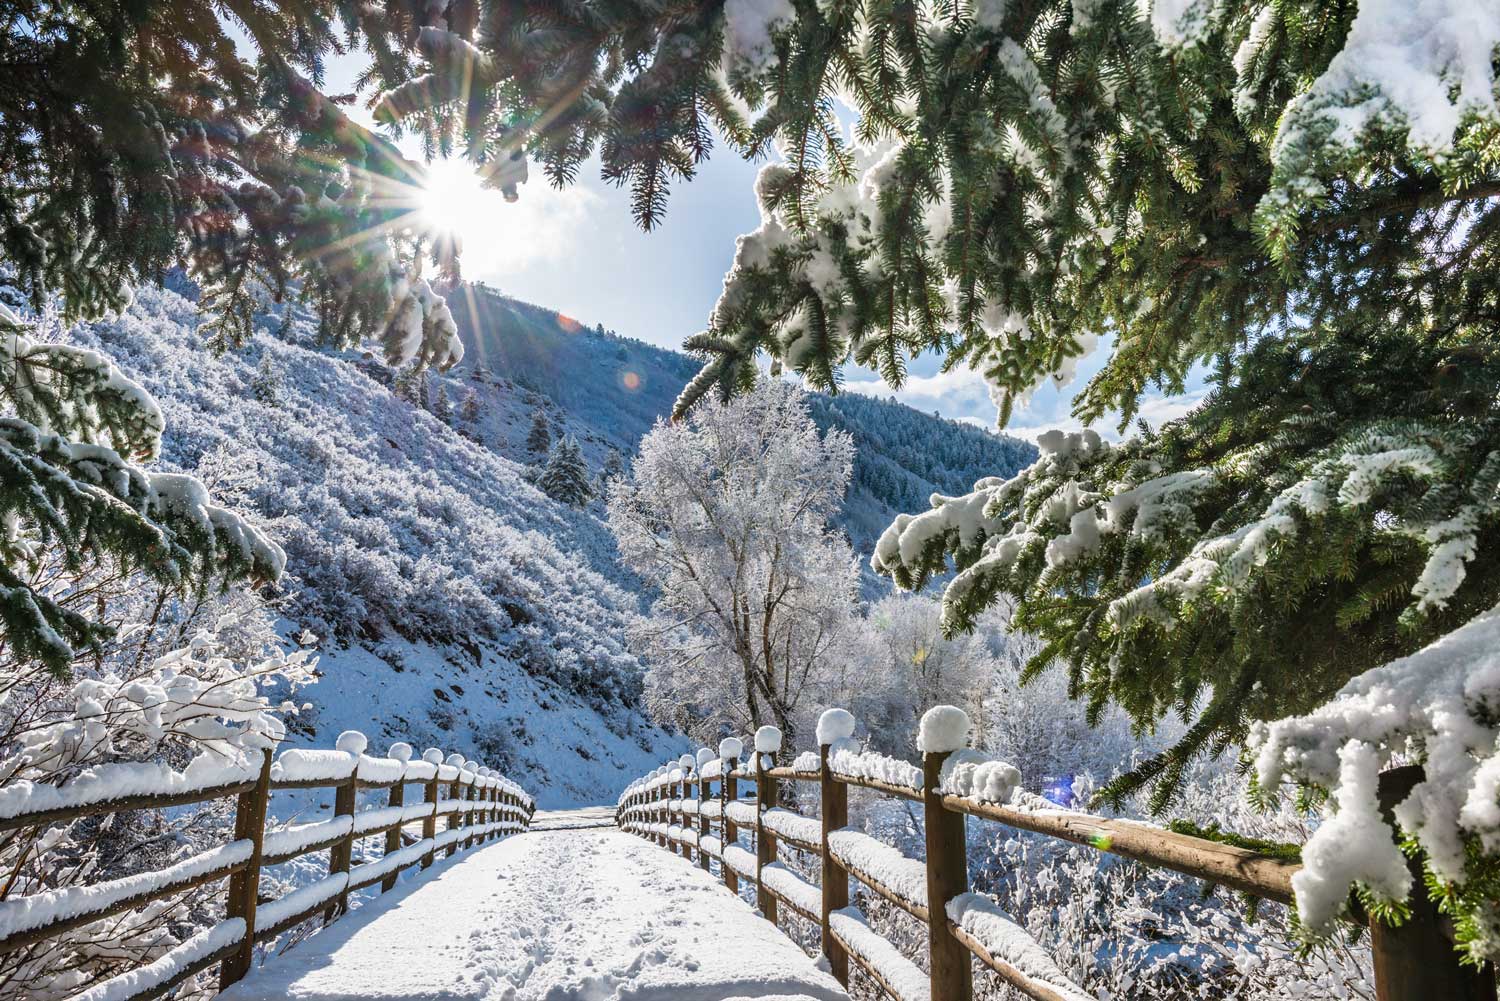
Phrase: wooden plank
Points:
(1237, 868)
(916, 910)
(145, 802)
(43, 932)
(341, 855)
(871, 972)
(901, 792)
(1020, 981)
(1416, 960)
(765, 841)
(397, 797)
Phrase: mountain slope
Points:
(457, 605)
(609, 390)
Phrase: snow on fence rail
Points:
(951, 784)
(475, 804)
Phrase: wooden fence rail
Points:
(475, 803)
(1416, 962)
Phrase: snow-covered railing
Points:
(474, 803)
(951, 783)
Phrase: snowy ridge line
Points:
(1008, 949)
(899, 879)
(741, 813)
(899, 976)
(740, 860)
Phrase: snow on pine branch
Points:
(1083, 495)
(1439, 706)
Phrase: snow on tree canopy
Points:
(767, 740)
(943, 728)
(1439, 704)
(834, 725)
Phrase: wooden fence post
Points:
(729, 792)
(429, 823)
(244, 886)
(1416, 960)
(341, 855)
(455, 789)
(393, 836)
(765, 841)
(703, 824)
(835, 880)
(947, 877)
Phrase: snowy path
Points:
(565, 820)
(562, 915)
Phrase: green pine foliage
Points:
(566, 475)
(76, 503)
(539, 438)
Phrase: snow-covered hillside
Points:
(455, 604)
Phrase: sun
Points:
(454, 200)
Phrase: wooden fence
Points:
(700, 809)
(473, 803)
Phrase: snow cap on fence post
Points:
(943, 729)
(400, 751)
(704, 757)
(835, 725)
(686, 762)
(768, 740)
(470, 765)
(352, 742)
(432, 756)
(456, 760)
(730, 749)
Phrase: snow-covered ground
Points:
(562, 915)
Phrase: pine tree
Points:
(408, 385)
(266, 383)
(441, 408)
(539, 438)
(566, 476)
(614, 469)
(468, 410)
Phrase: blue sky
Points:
(579, 251)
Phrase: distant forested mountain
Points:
(608, 390)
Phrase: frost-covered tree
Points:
(140, 136)
(468, 409)
(539, 438)
(266, 384)
(909, 665)
(441, 408)
(566, 475)
(614, 469)
(725, 516)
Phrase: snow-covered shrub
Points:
(189, 716)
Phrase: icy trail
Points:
(553, 915)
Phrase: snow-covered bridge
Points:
(563, 913)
